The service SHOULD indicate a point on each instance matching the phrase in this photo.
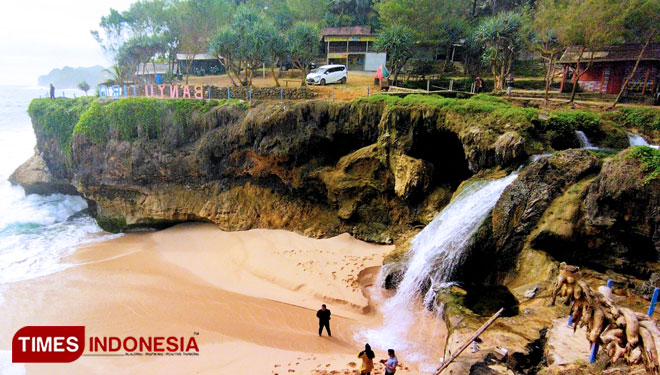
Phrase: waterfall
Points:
(638, 140)
(436, 252)
(584, 141)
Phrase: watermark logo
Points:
(53, 344)
(61, 344)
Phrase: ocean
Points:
(36, 232)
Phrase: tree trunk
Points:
(228, 69)
(302, 68)
(632, 74)
(548, 76)
(272, 70)
(576, 76)
(188, 67)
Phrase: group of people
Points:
(479, 85)
(367, 355)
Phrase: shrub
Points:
(56, 118)
(650, 159)
(644, 118)
(132, 118)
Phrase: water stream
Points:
(436, 253)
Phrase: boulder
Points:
(622, 209)
(35, 177)
(522, 204)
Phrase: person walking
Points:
(52, 91)
(509, 85)
(324, 320)
(478, 85)
(367, 356)
(390, 363)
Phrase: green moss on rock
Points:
(650, 159)
(141, 118)
(112, 224)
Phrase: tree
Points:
(436, 25)
(589, 25)
(308, 10)
(642, 25)
(84, 86)
(502, 37)
(397, 41)
(302, 42)
(245, 44)
(545, 42)
(199, 20)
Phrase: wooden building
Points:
(353, 47)
(611, 66)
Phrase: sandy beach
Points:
(248, 297)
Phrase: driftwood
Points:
(625, 334)
(469, 341)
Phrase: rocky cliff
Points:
(373, 168)
(377, 168)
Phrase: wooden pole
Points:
(468, 342)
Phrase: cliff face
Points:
(376, 168)
(369, 168)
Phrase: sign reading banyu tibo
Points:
(152, 91)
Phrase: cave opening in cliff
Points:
(445, 152)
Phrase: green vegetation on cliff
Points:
(650, 159)
(644, 118)
(144, 118)
(126, 119)
(557, 130)
(55, 119)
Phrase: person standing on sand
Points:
(390, 363)
(367, 356)
(324, 320)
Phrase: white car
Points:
(327, 74)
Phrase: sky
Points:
(37, 36)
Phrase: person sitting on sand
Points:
(390, 363)
(367, 356)
(324, 320)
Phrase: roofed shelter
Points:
(352, 46)
(611, 66)
(202, 64)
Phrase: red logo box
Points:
(51, 344)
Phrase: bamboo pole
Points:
(472, 338)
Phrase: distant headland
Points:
(69, 77)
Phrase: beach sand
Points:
(249, 298)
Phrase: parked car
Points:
(327, 74)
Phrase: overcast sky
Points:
(39, 35)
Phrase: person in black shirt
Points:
(324, 320)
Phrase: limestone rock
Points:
(622, 212)
(522, 204)
(35, 178)
(411, 176)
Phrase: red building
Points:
(611, 66)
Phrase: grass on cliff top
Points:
(481, 103)
(642, 118)
(56, 119)
(650, 159)
(132, 118)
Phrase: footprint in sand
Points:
(327, 365)
(292, 370)
(352, 364)
(276, 366)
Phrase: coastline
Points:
(251, 295)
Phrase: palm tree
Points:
(84, 86)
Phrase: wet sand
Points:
(248, 297)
